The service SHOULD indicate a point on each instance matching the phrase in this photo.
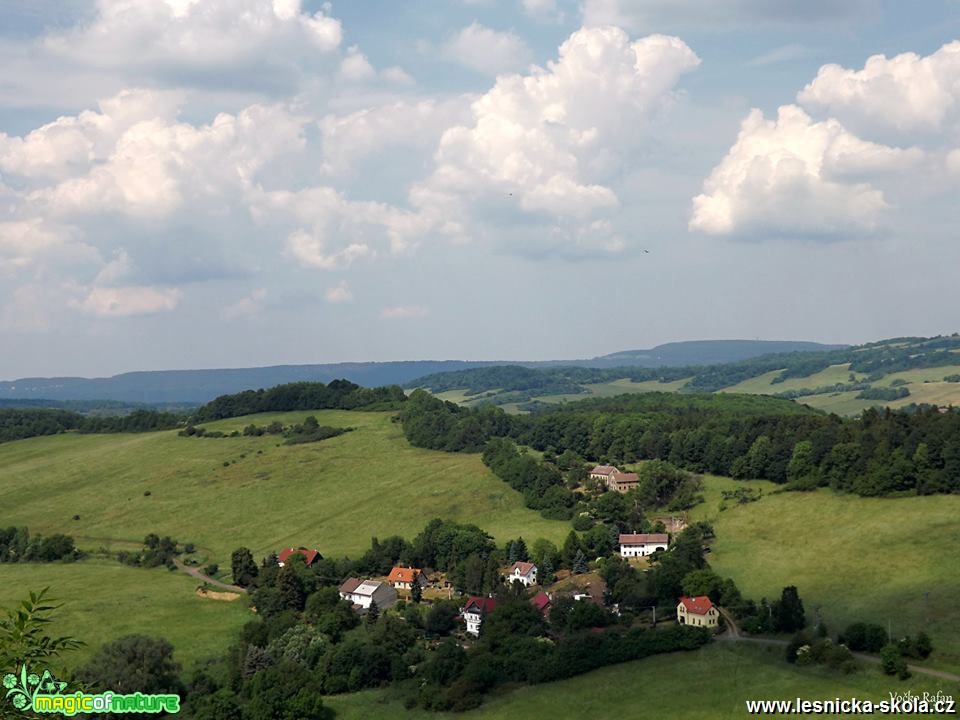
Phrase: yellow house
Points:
(697, 611)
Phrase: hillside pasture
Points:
(254, 491)
(103, 600)
(879, 560)
(712, 683)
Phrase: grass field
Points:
(103, 600)
(710, 684)
(223, 493)
(876, 560)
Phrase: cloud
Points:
(793, 177)
(543, 10)
(402, 312)
(487, 51)
(339, 293)
(231, 42)
(543, 144)
(721, 14)
(907, 93)
(782, 54)
(247, 306)
(128, 301)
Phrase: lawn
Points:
(103, 600)
(878, 560)
(712, 683)
(223, 493)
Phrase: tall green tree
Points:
(134, 663)
(244, 568)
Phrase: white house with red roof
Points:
(403, 578)
(309, 556)
(524, 572)
(697, 611)
(642, 544)
(476, 609)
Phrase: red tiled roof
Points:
(523, 567)
(636, 539)
(603, 470)
(309, 555)
(483, 605)
(620, 477)
(405, 575)
(350, 584)
(699, 605)
(541, 601)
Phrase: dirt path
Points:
(198, 574)
(733, 634)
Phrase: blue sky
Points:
(210, 183)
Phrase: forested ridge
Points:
(876, 360)
(879, 453)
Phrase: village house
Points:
(541, 601)
(403, 578)
(364, 592)
(621, 482)
(697, 611)
(524, 572)
(642, 544)
(603, 473)
(476, 609)
(309, 556)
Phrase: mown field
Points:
(710, 684)
(223, 493)
(877, 560)
(103, 600)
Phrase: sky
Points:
(233, 183)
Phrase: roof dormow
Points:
(699, 605)
(350, 584)
(483, 605)
(524, 567)
(309, 555)
(540, 601)
(604, 470)
(644, 538)
(401, 574)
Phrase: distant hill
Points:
(199, 386)
(895, 373)
(709, 352)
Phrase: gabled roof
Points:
(621, 477)
(482, 605)
(525, 568)
(350, 584)
(603, 470)
(310, 556)
(699, 605)
(368, 587)
(644, 538)
(541, 601)
(405, 575)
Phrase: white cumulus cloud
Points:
(339, 293)
(127, 301)
(487, 51)
(906, 93)
(792, 176)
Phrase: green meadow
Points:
(103, 600)
(880, 560)
(709, 684)
(223, 493)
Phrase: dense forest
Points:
(337, 395)
(20, 423)
(879, 453)
(515, 383)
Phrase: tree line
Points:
(881, 452)
(21, 423)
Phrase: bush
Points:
(211, 569)
(892, 662)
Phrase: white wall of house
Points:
(528, 579)
(640, 549)
(473, 621)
